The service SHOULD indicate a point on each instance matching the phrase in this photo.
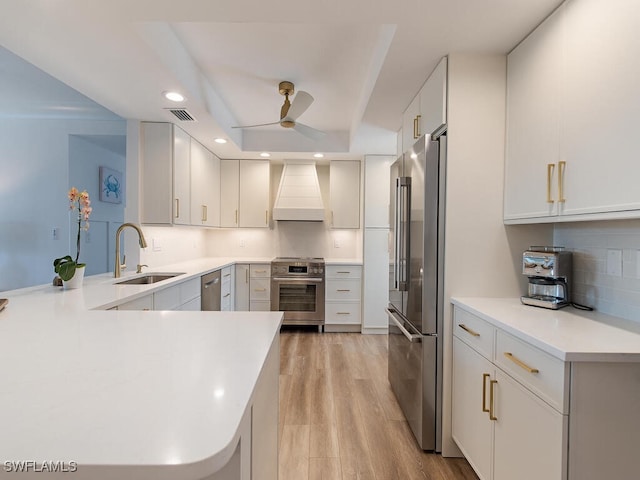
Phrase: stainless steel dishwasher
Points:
(210, 291)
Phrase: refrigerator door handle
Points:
(404, 185)
(397, 237)
(412, 337)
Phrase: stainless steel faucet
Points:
(143, 244)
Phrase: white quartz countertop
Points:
(569, 334)
(160, 394)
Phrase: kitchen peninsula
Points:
(136, 394)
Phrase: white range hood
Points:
(299, 196)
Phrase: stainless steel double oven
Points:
(298, 290)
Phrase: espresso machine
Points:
(549, 272)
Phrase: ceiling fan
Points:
(290, 112)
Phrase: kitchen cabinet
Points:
(142, 303)
(572, 107)
(205, 186)
(177, 296)
(241, 287)
(227, 289)
(245, 190)
(344, 193)
(260, 287)
(165, 174)
(229, 192)
(427, 112)
(510, 403)
(343, 291)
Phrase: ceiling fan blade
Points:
(300, 103)
(259, 125)
(309, 132)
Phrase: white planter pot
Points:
(76, 280)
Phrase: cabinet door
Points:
(254, 193)
(181, 177)
(472, 429)
(344, 191)
(156, 173)
(376, 190)
(600, 141)
(534, 71)
(205, 186)
(229, 192)
(433, 100)
(242, 288)
(411, 124)
(530, 436)
(142, 303)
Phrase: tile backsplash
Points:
(606, 264)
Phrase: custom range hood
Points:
(299, 197)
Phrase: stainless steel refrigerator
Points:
(416, 287)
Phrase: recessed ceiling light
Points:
(173, 96)
(220, 140)
(318, 155)
(265, 154)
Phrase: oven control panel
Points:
(297, 269)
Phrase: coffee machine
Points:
(549, 272)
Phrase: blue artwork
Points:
(111, 186)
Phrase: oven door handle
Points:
(410, 336)
(298, 280)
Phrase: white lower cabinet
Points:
(260, 287)
(142, 303)
(510, 423)
(343, 292)
(183, 296)
(242, 287)
(227, 289)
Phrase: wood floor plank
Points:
(324, 469)
(322, 409)
(323, 441)
(298, 405)
(283, 398)
(294, 453)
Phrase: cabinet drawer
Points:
(541, 373)
(189, 290)
(474, 331)
(342, 313)
(194, 305)
(339, 290)
(260, 270)
(343, 271)
(167, 299)
(225, 303)
(142, 303)
(259, 306)
(260, 289)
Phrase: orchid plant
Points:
(66, 266)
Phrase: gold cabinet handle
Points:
(520, 363)
(204, 213)
(266, 217)
(332, 218)
(492, 416)
(550, 168)
(177, 208)
(484, 392)
(236, 216)
(468, 330)
(259, 289)
(260, 271)
(561, 167)
(246, 276)
(416, 127)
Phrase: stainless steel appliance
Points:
(549, 272)
(210, 291)
(416, 287)
(298, 289)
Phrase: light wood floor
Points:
(339, 419)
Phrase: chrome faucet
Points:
(143, 244)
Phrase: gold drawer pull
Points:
(561, 167)
(484, 392)
(550, 168)
(492, 400)
(236, 222)
(520, 363)
(468, 330)
(259, 289)
(260, 271)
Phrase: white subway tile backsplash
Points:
(591, 244)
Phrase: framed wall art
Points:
(111, 185)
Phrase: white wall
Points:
(482, 256)
(34, 161)
(592, 285)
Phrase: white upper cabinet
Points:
(428, 110)
(165, 174)
(573, 109)
(344, 193)
(254, 194)
(229, 192)
(533, 115)
(205, 186)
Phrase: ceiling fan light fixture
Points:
(318, 155)
(220, 140)
(173, 96)
(265, 154)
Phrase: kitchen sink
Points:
(149, 278)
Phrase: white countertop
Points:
(569, 334)
(161, 393)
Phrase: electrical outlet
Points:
(157, 244)
(336, 243)
(614, 262)
(242, 242)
